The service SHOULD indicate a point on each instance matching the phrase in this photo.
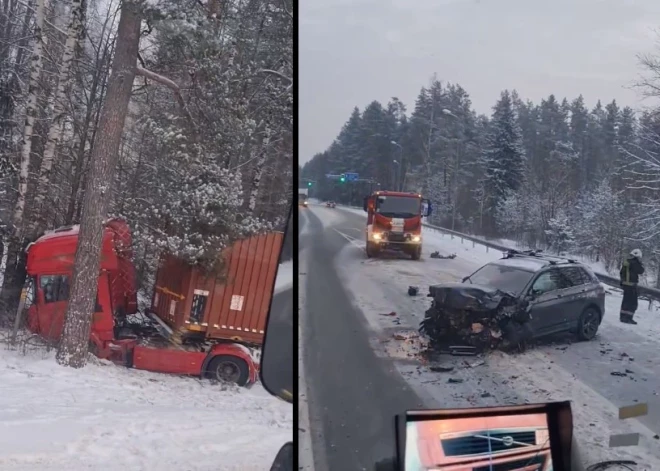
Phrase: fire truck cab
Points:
(394, 222)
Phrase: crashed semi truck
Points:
(197, 324)
(394, 222)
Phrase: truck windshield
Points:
(398, 206)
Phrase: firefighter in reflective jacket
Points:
(630, 270)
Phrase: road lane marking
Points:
(352, 240)
(305, 452)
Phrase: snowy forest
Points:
(560, 175)
(200, 112)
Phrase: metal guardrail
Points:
(644, 291)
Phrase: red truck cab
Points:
(50, 266)
(394, 222)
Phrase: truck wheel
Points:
(371, 250)
(230, 369)
(416, 254)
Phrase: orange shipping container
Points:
(233, 306)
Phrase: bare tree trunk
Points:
(96, 93)
(426, 185)
(74, 344)
(259, 172)
(75, 33)
(30, 111)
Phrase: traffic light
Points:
(309, 183)
(342, 178)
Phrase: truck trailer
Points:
(197, 324)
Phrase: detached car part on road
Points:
(523, 296)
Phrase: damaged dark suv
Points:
(523, 296)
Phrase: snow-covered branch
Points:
(172, 85)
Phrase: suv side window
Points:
(589, 277)
(576, 276)
(550, 280)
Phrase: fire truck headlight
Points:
(377, 236)
(416, 238)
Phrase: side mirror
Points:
(427, 208)
(277, 355)
(365, 204)
(284, 459)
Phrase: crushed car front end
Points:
(482, 317)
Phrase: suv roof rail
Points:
(538, 253)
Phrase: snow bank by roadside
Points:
(107, 417)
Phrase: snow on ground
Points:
(536, 378)
(379, 287)
(112, 418)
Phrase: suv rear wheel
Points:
(588, 324)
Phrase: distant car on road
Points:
(564, 295)
(330, 204)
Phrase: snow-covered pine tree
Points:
(504, 156)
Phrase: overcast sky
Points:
(356, 51)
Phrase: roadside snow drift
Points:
(115, 419)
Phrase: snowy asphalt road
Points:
(358, 376)
(353, 394)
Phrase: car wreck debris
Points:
(436, 254)
(475, 316)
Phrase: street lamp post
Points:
(398, 174)
(455, 176)
(397, 171)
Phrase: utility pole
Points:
(397, 175)
(454, 179)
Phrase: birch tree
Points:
(75, 33)
(15, 270)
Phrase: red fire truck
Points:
(394, 222)
(209, 326)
